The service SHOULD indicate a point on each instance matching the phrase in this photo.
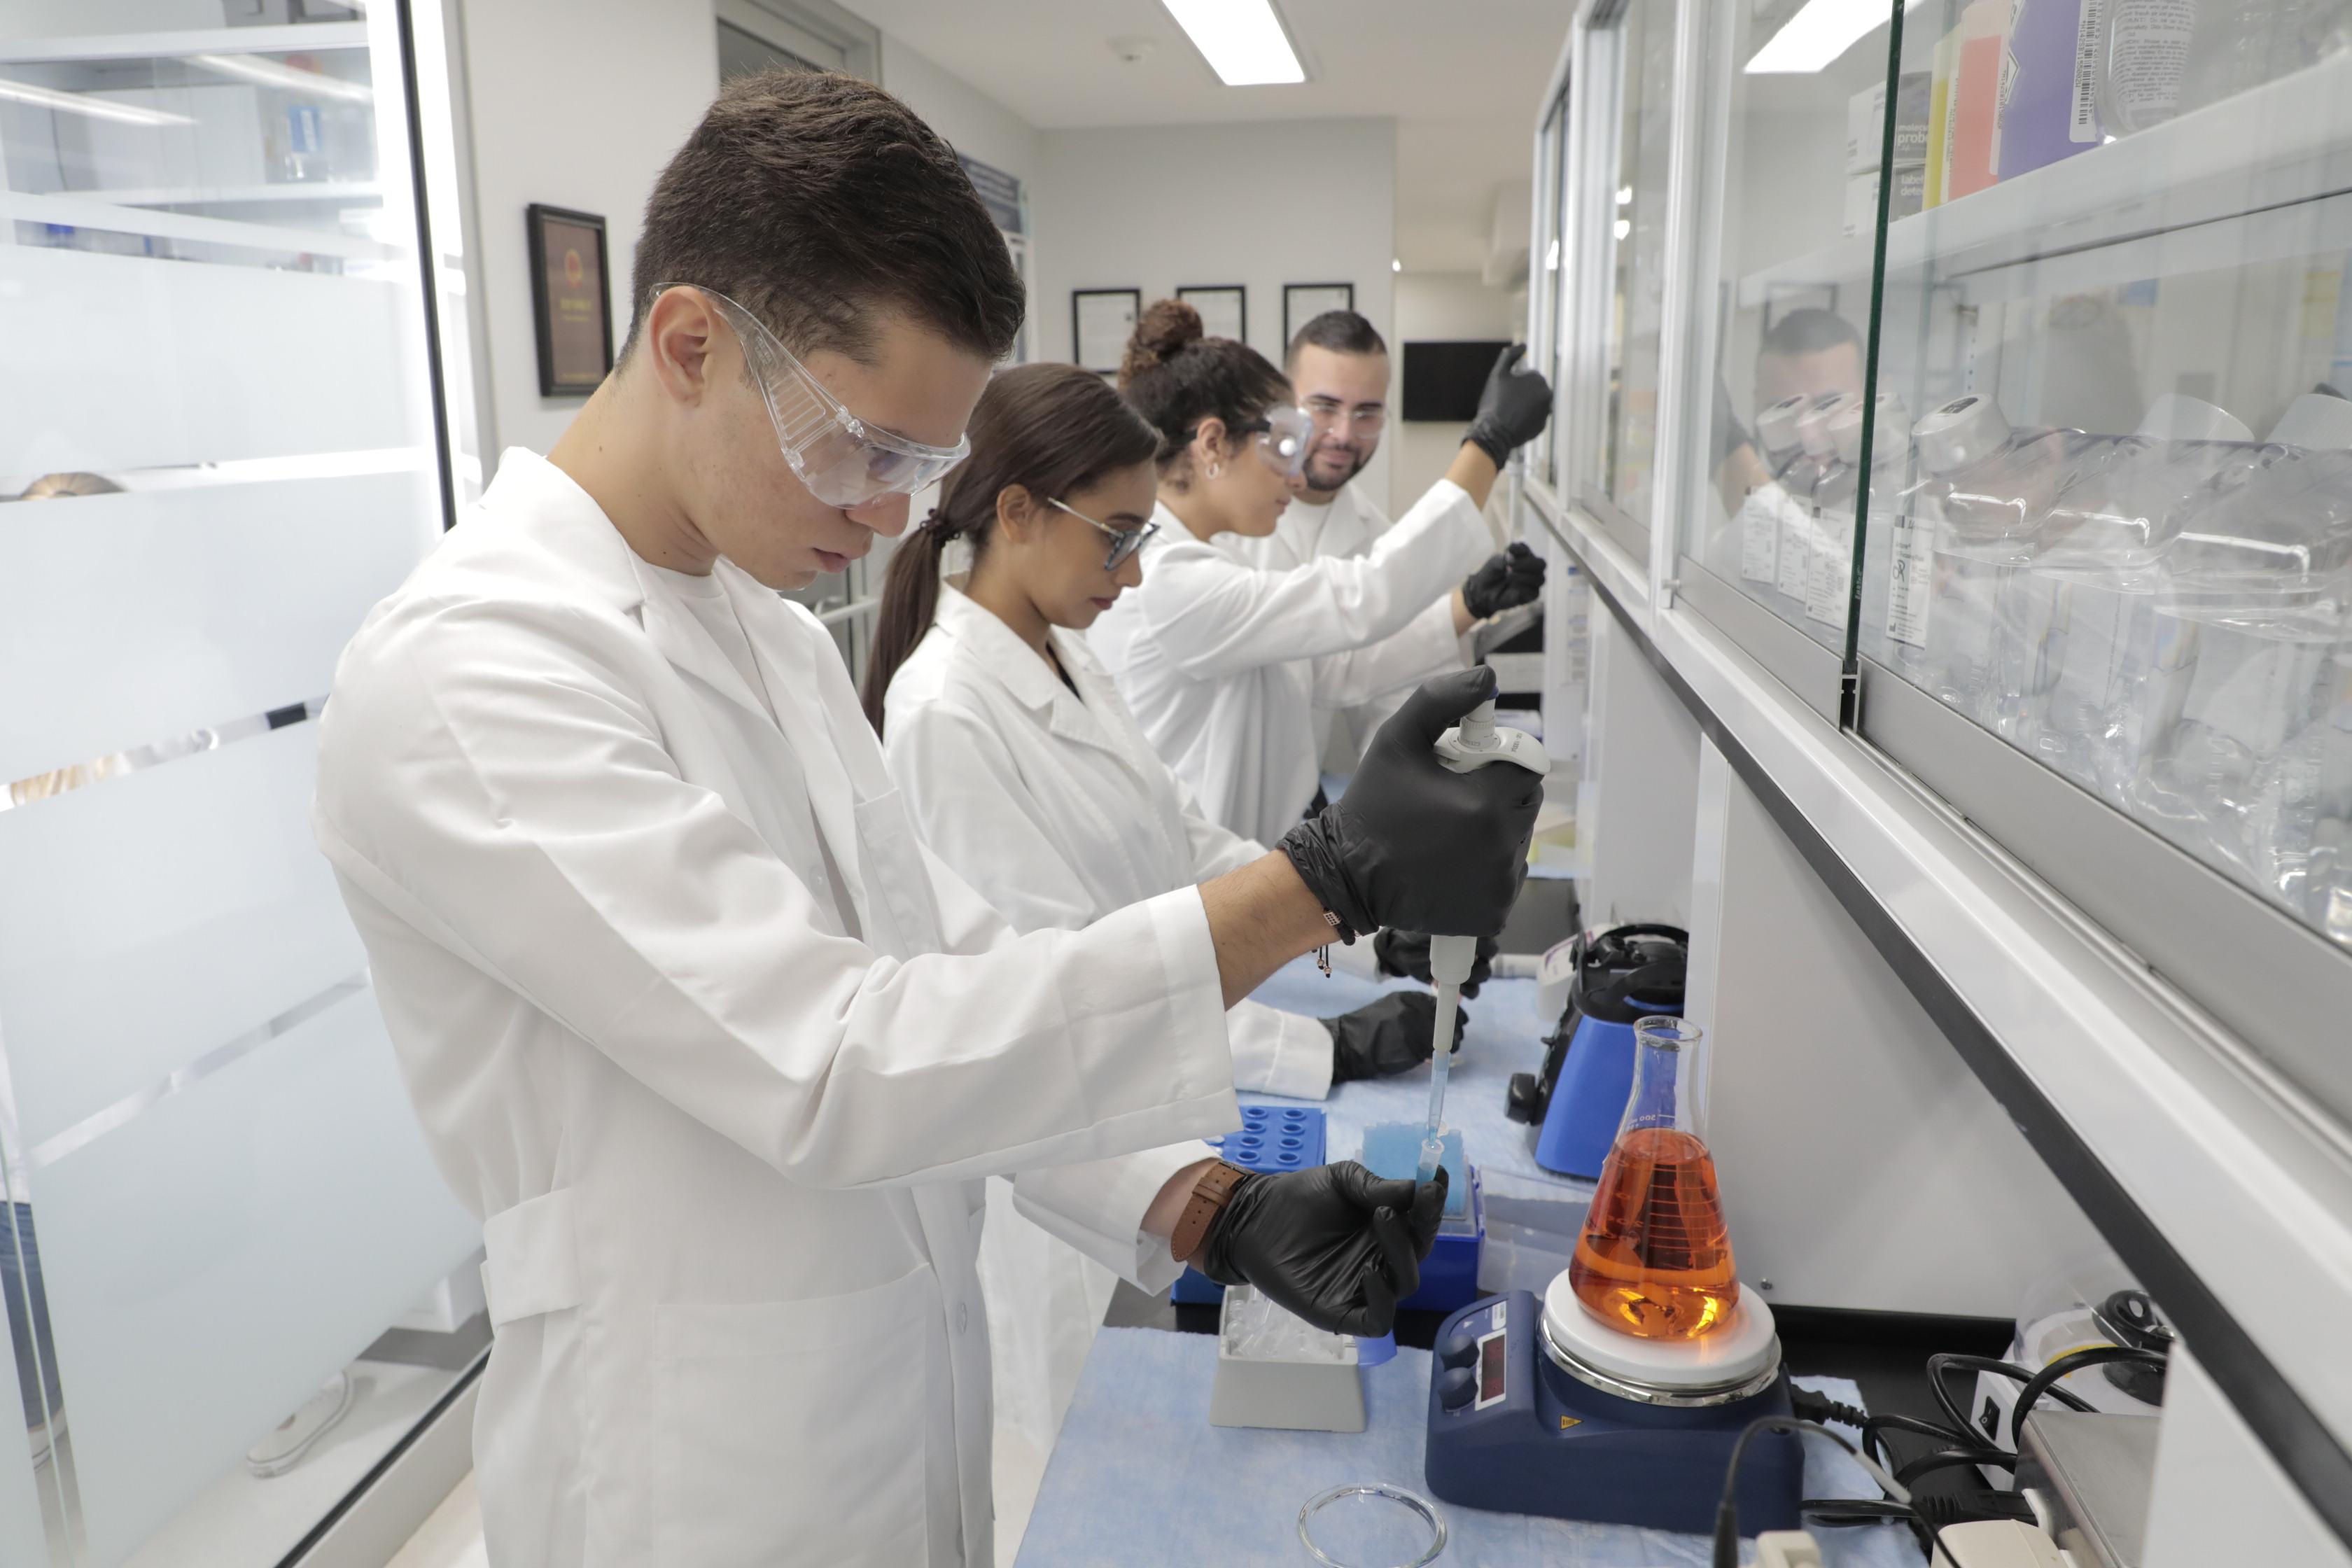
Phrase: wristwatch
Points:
(1211, 1192)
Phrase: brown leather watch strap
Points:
(1209, 1193)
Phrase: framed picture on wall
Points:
(571, 305)
(1101, 320)
(1302, 302)
(1224, 309)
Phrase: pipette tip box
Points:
(1272, 1139)
(1393, 1149)
(1449, 1275)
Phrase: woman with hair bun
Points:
(1215, 658)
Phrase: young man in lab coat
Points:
(691, 1019)
(1339, 366)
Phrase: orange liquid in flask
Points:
(1655, 1257)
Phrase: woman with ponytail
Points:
(1026, 775)
(1217, 659)
(1025, 771)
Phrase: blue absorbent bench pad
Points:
(1138, 1476)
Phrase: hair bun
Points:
(1164, 330)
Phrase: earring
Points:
(1215, 469)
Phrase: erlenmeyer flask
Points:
(1655, 1259)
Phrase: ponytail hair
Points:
(1052, 429)
(1177, 376)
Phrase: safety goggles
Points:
(1124, 541)
(1364, 419)
(844, 462)
(1283, 434)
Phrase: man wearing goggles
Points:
(1339, 368)
(715, 1049)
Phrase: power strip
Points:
(1996, 1543)
(1787, 1549)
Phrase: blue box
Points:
(1272, 1139)
(1449, 1275)
(1393, 1149)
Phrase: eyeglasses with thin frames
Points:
(1124, 541)
(1364, 419)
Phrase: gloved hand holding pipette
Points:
(1406, 954)
(1411, 844)
(1476, 744)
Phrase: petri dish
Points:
(1370, 1525)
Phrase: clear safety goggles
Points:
(1283, 432)
(844, 462)
(1124, 541)
(1364, 419)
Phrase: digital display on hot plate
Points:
(1490, 1368)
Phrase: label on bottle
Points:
(302, 136)
(1910, 577)
(2147, 53)
(1795, 554)
(2083, 123)
(1829, 577)
(1759, 537)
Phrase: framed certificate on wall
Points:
(1224, 309)
(1101, 320)
(571, 308)
(1302, 302)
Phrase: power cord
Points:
(1938, 1367)
(2045, 1382)
(1727, 1513)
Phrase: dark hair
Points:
(1177, 377)
(817, 200)
(1808, 331)
(1340, 332)
(1053, 429)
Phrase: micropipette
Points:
(1474, 744)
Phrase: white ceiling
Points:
(1461, 80)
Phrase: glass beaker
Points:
(1370, 1525)
(1654, 1259)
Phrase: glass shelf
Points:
(2106, 563)
(2122, 211)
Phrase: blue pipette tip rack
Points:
(1393, 1149)
(1272, 1139)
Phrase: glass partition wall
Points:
(1790, 132)
(2108, 559)
(225, 1257)
(1616, 201)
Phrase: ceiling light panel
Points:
(1242, 40)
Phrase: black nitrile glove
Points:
(1387, 1037)
(1513, 409)
(1336, 1245)
(1406, 954)
(1505, 582)
(1413, 844)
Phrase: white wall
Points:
(1258, 204)
(579, 103)
(575, 103)
(1439, 307)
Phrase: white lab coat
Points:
(727, 1154)
(1052, 806)
(1211, 654)
(1055, 809)
(1356, 689)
